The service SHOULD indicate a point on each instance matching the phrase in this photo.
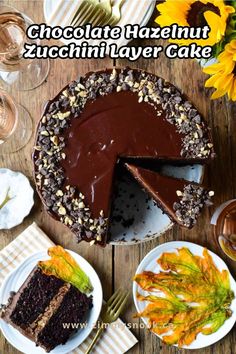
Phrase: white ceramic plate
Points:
(21, 194)
(60, 13)
(149, 264)
(16, 279)
(133, 207)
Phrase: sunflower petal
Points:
(232, 91)
(212, 81)
(212, 69)
(230, 9)
(216, 25)
(217, 94)
(227, 82)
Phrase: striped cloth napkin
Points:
(117, 338)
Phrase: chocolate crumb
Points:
(191, 201)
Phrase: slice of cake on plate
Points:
(43, 306)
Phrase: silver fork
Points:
(84, 11)
(110, 313)
(96, 13)
(106, 8)
(116, 13)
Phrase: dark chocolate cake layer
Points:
(41, 306)
(32, 298)
(59, 327)
(181, 200)
(98, 120)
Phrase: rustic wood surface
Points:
(117, 265)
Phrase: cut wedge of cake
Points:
(181, 200)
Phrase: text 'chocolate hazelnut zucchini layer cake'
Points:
(108, 117)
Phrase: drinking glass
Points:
(15, 71)
(224, 221)
(15, 125)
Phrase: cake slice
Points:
(44, 308)
(181, 200)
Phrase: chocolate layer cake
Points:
(42, 305)
(95, 122)
(181, 200)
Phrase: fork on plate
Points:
(97, 13)
(110, 313)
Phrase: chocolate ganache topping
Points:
(96, 121)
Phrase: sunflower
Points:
(223, 73)
(194, 13)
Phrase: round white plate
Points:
(16, 279)
(135, 216)
(21, 194)
(149, 264)
(60, 13)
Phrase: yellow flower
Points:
(196, 13)
(223, 73)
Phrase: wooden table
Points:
(116, 265)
